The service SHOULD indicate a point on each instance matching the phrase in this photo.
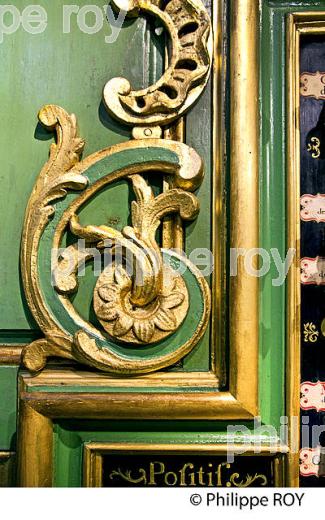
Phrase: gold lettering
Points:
(219, 472)
(200, 475)
(167, 481)
(154, 472)
(210, 475)
(182, 473)
(192, 477)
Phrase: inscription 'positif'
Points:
(161, 474)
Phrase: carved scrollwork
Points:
(248, 481)
(151, 304)
(127, 476)
(189, 27)
(52, 184)
(134, 310)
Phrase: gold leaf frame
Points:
(298, 23)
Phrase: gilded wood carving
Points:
(152, 304)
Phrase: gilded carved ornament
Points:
(149, 316)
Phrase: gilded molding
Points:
(244, 165)
(298, 23)
(10, 354)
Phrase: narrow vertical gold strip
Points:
(293, 316)
(35, 447)
(244, 198)
(92, 468)
(219, 224)
(279, 471)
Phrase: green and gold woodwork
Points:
(89, 401)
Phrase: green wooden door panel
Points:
(70, 70)
(199, 135)
(8, 405)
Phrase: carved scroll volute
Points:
(189, 27)
(160, 306)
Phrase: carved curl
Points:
(189, 27)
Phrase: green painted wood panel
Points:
(272, 216)
(199, 135)
(70, 70)
(8, 405)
